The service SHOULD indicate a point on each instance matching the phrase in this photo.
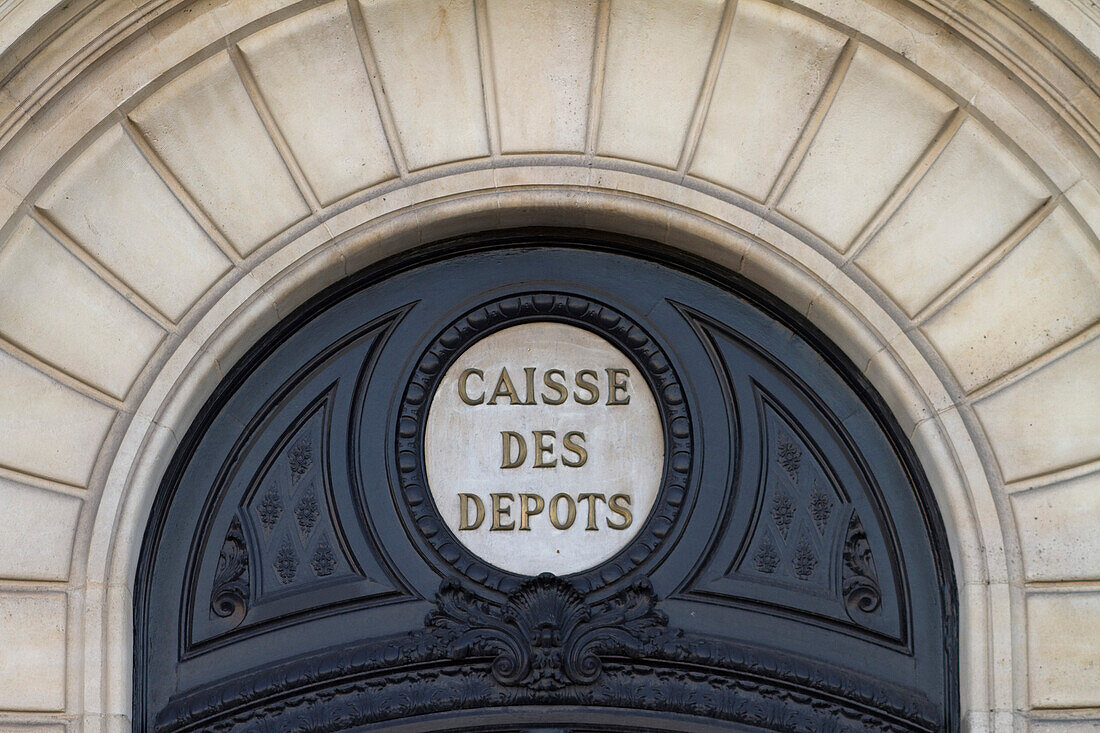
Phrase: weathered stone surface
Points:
(428, 62)
(206, 129)
(882, 119)
(1058, 530)
(32, 664)
(657, 55)
(1042, 293)
(776, 65)
(57, 309)
(972, 197)
(1065, 655)
(49, 430)
(115, 206)
(1048, 419)
(330, 121)
(37, 540)
(542, 72)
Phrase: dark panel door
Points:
(791, 575)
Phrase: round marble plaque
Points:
(544, 449)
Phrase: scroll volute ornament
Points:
(230, 594)
(546, 636)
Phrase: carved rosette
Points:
(574, 310)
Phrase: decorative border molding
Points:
(574, 310)
(619, 654)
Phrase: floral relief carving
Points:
(300, 459)
(547, 644)
(323, 561)
(789, 456)
(805, 559)
(783, 513)
(821, 507)
(307, 511)
(271, 508)
(286, 562)
(766, 559)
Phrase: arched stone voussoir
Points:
(919, 180)
(279, 279)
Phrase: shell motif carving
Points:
(546, 637)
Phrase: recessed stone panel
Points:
(544, 449)
(32, 663)
(428, 59)
(776, 64)
(1043, 292)
(542, 67)
(657, 56)
(883, 118)
(208, 132)
(974, 195)
(49, 430)
(37, 538)
(1063, 649)
(1059, 532)
(113, 203)
(1047, 420)
(56, 308)
(311, 74)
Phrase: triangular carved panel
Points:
(285, 549)
(806, 538)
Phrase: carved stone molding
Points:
(547, 645)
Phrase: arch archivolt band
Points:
(123, 409)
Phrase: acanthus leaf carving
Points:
(546, 636)
(860, 579)
(229, 596)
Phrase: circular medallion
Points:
(543, 449)
(544, 432)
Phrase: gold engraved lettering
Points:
(618, 380)
(574, 443)
(620, 504)
(529, 384)
(593, 500)
(464, 501)
(557, 385)
(570, 511)
(500, 512)
(504, 388)
(507, 438)
(543, 449)
(529, 506)
(589, 385)
(463, 394)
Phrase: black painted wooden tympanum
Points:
(792, 573)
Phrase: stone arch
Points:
(136, 136)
